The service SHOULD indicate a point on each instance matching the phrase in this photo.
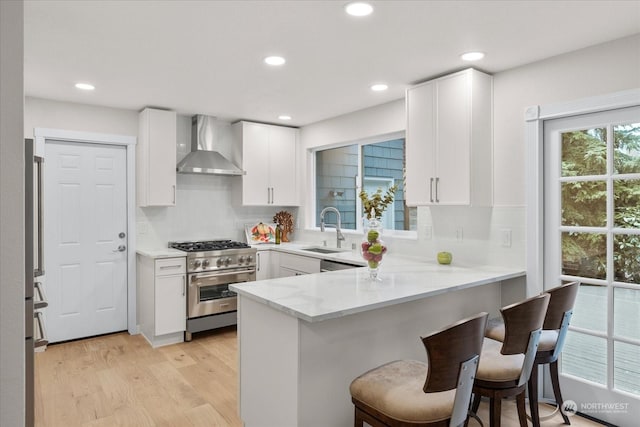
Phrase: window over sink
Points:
(341, 172)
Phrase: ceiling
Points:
(206, 56)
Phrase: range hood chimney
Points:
(203, 159)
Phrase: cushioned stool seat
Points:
(408, 393)
(395, 389)
(504, 367)
(495, 366)
(554, 330)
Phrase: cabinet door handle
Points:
(174, 194)
(431, 190)
(258, 259)
(41, 335)
(268, 195)
(40, 298)
(184, 285)
(39, 271)
(437, 182)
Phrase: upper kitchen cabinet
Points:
(449, 141)
(269, 160)
(156, 158)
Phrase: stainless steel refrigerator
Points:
(35, 300)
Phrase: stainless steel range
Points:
(211, 267)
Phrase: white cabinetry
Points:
(296, 265)
(269, 159)
(263, 265)
(163, 301)
(449, 141)
(156, 158)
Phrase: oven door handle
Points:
(222, 273)
(219, 276)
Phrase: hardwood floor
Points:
(119, 380)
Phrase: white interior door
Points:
(592, 235)
(85, 239)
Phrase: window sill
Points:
(395, 234)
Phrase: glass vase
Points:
(373, 248)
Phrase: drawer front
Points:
(299, 263)
(170, 266)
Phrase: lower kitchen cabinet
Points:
(263, 265)
(296, 265)
(163, 303)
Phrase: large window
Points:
(341, 172)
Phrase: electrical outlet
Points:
(505, 235)
(459, 234)
(428, 232)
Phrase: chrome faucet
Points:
(339, 236)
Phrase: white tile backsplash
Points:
(481, 244)
(206, 208)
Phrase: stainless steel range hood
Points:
(203, 158)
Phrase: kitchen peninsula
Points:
(303, 339)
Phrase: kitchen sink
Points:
(323, 250)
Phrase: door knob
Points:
(121, 248)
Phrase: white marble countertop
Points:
(158, 252)
(322, 296)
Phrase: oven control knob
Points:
(241, 259)
(196, 263)
(227, 261)
(205, 263)
(249, 259)
(219, 262)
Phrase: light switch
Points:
(142, 228)
(506, 237)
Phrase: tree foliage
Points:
(584, 202)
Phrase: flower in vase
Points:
(375, 204)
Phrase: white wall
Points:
(379, 120)
(12, 306)
(600, 69)
(44, 113)
(596, 70)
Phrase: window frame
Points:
(311, 212)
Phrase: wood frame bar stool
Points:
(554, 332)
(505, 367)
(397, 395)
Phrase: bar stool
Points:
(397, 394)
(554, 332)
(505, 367)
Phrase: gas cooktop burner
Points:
(210, 245)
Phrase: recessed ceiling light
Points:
(379, 87)
(85, 86)
(284, 117)
(358, 9)
(274, 60)
(472, 56)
